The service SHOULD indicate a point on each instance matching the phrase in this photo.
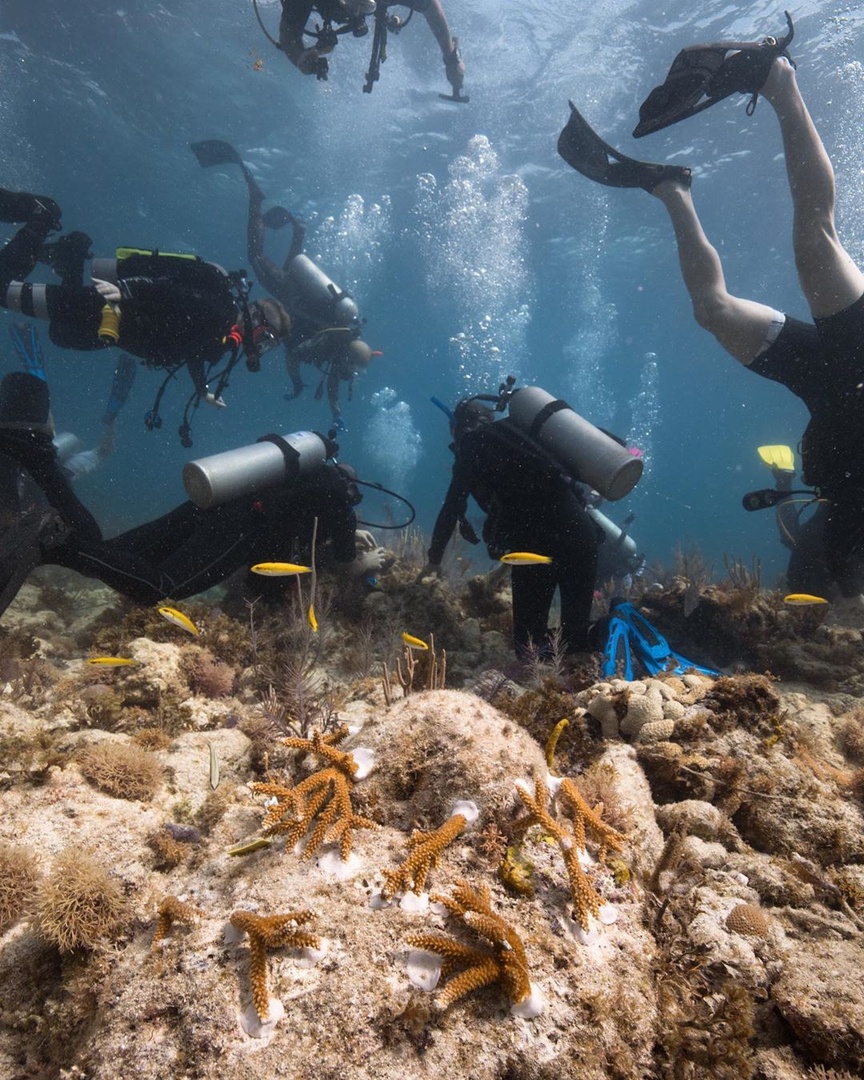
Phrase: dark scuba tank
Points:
(615, 537)
(583, 450)
(314, 296)
(272, 460)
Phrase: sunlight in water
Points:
(392, 440)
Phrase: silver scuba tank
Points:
(272, 460)
(626, 546)
(314, 296)
(66, 444)
(586, 452)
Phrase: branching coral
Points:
(586, 900)
(271, 932)
(505, 963)
(325, 795)
(172, 910)
(426, 849)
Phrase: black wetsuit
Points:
(530, 506)
(822, 363)
(166, 318)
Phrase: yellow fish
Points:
(414, 642)
(280, 569)
(802, 599)
(313, 622)
(257, 844)
(111, 661)
(179, 619)
(525, 558)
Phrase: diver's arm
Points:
(448, 45)
(454, 506)
(295, 14)
(298, 241)
(293, 366)
(333, 390)
(269, 275)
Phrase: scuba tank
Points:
(585, 451)
(273, 459)
(615, 537)
(67, 445)
(315, 297)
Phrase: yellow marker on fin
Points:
(414, 642)
(803, 599)
(111, 661)
(525, 558)
(313, 622)
(179, 619)
(778, 457)
(279, 569)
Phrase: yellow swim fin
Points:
(778, 458)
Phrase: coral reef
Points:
(78, 903)
(271, 932)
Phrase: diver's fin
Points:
(218, 152)
(25, 339)
(277, 217)
(651, 648)
(583, 150)
(778, 458)
(124, 377)
(702, 75)
(617, 657)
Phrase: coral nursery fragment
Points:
(426, 848)
(271, 932)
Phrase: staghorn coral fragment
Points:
(325, 747)
(426, 849)
(502, 960)
(271, 932)
(171, 910)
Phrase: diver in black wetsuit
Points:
(349, 16)
(177, 555)
(168, 310)
(529, 506)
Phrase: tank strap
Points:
(292, 457)
(544, 414)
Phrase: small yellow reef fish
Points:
(258, 844)
(111, 661)
(802, 599)
(279, 569)
(414, 642)
(525, 558)
(313, 622)
(179, 619)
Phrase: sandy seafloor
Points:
(729, 942)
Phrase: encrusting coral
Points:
(325, 795)
(587, 902)
(506, 963)
(172, 910)
(271, 932)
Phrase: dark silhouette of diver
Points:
(820, 361)
(349, 17)
(177, 555)
(325, 323)
(169, 310)
(529, 506)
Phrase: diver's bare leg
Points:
(829, 278)
(739, 325)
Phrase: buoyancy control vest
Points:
(173, 307)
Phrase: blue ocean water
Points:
(474, 253)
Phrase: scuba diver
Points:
(820, 361)
(340, 17)
(324, 330)
(521, 471)
(258, 503)
(75, 461)
(171, 311)
(807, 571)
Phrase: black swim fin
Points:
(218, 152)
(277, 217)
(702, 75)
(583, 150)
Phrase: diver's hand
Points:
(454, 68)
(107, 290)
(311, 62)
(370, 562)
(216, 402)
(364, 540)
(429, 570)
